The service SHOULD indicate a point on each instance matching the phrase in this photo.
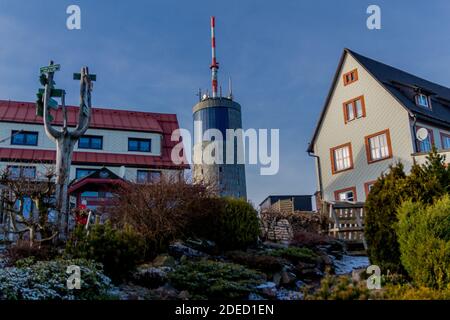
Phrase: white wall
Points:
(130, 172)
(382, 112)
(114, 141)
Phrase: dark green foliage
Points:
(234, 224)
(380, 219)
(264, 263)
(296, 254)
(424, 184)
(340, 288)
(215, 280)
(424, 238)
(430, 181)
(118, 250)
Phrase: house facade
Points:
(375, 115)
(127, 145)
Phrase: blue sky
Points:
(154, 55)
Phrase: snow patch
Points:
(347, 264)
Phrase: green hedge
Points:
(424, 238)
(424, 184)
(215, 280)
(234, 224)
(118, 250)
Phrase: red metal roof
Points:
(89, 181)
(165, 124)
(25, 112)
(90, 158)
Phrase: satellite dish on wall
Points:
(422, 134)
(122, 172)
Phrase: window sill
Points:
(369, 161)
(354, 119)
(343, 170)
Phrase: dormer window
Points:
(423, 100)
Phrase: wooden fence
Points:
(347, 223)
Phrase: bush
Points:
(22, 250)
(409, 292)
(425, 184)
(118, 250)
(215, 280)
(264, 263)
(296, 254)
(424, 238)
(235, 224)
(47, 280)
(162, 212)
(380, 219)
(340, 288)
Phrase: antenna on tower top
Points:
(230, 89)
(214, 65)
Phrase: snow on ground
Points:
(347, 264)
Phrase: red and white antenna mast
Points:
(214, 65)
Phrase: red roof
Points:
(90, 158)
(25, 112)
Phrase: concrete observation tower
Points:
(217, 112)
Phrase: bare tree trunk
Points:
(65, 142)
(64, 153)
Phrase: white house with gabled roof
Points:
(374, 116)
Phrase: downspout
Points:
(319, 171)
(416, 146)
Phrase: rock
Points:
(163, 260)
(287, 277)
(166, 292)
(254, 296)
(357, 274)
(267, 285)
(184, 295)
(132, 292)
(202, 245)
(178, 249)
(311, 273)
(299, 284)
(273, 245)
(150, 277)
(268, 289)
(277, 278)
(326, 259)
(284, 294)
